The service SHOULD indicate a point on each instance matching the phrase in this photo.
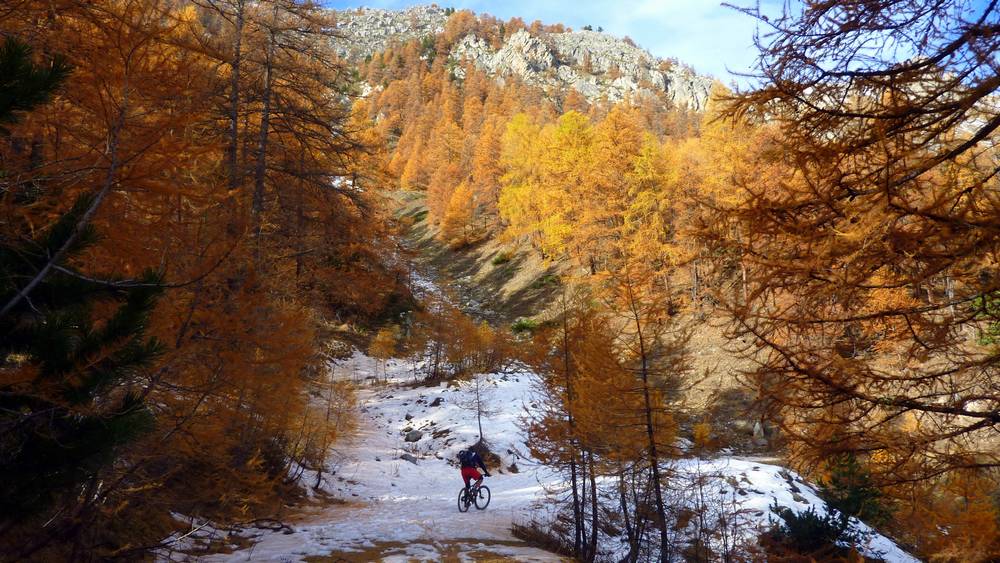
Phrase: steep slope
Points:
(594, 64)
(492, 280)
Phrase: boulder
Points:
(414, 435)
(759, 438)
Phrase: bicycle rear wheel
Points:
(463, 500)
(483, 498)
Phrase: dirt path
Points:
(399, 510)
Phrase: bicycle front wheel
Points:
(483, 498)
(463, 500)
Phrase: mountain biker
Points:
(469, 461)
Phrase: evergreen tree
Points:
(849, 488)
(24, 85)
(72, 351)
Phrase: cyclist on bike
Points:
(469, 461)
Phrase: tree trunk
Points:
(592, 549)
(623, 504)
(695, 289)
(300, 220)
(577, 516)
(654, 460)
(654, 466)
(479, 409)
(583, 507)
(234, 99)
(577, 509)
(260, 173)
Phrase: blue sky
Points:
(702, 33)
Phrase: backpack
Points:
(465, 457)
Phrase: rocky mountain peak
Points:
(593, 63)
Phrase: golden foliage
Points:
(243, 318)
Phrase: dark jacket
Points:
(473, 460)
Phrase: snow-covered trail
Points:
(400, 510)
(397, 497)
(403, 510)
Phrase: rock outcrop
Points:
(594, 64)
(366, 31)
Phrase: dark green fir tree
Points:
(73, 349)
(848, 487)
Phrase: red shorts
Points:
(470, 474)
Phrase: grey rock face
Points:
(366, 31)
(592, 63)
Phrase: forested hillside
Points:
(223, 223)
(187, 206)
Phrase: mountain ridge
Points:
(594, 64)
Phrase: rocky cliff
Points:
(366, 31)
(594, 64)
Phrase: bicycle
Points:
(475, 494)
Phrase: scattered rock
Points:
(742, 426)
(437, 402)
(414, 435)
(408, 416)
(409, 458)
